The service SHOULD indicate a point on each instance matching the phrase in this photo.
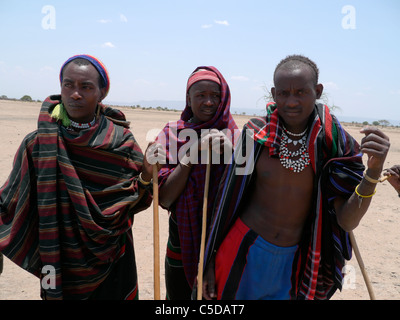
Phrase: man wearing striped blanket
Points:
(66, 210)
(281, 221)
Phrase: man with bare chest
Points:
(280, 231)
(270, 214)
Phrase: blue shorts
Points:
(247, 267)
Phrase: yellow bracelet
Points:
(361, 196)
(145, 183)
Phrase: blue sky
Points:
(150, 47)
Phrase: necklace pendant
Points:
(286, 156)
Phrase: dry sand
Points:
(377, 235)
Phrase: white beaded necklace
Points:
(83, 125)
(286, 156)
(295, 134)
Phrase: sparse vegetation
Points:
(26, 98)
(267, 97)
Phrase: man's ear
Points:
(273, 93)
(102, 94)
(319, 88)
(188, 99)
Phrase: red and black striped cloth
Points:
(337, 164)
(69, 200)
(188, 207)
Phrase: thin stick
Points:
(384, 178)
(156, 235)
(361, 264)
(1, 262)
(204, 230)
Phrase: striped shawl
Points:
(188, 207)
(69, 200)
(337, 164)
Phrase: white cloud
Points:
(107, 45)
(123, 18)
(259, 88)
(360, 94)
(222, 22)
(330, 85)
(47, 69)
(240, 78)
(142, 81)
(104, 21)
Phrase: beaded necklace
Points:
(83, 125)
(286, 156)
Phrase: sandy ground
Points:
(377, 235)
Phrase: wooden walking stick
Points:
(362, 267)
(1, 262)
(156, 235)
(360, 260)
(203, 229)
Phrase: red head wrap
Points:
(202, 74)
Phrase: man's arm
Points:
(394, 177)
(349, 212)
(176, 182)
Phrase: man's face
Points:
(80, 91)
(204, 98)
(295, 93)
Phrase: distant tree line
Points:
(23, 98)
(138, 106)
(383, 123)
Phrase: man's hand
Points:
(217, 139)
(209, 282)
(155, 155)
(375, 145)
(394, 177)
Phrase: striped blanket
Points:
(188, 207)
(337, 164)
(69, 201)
